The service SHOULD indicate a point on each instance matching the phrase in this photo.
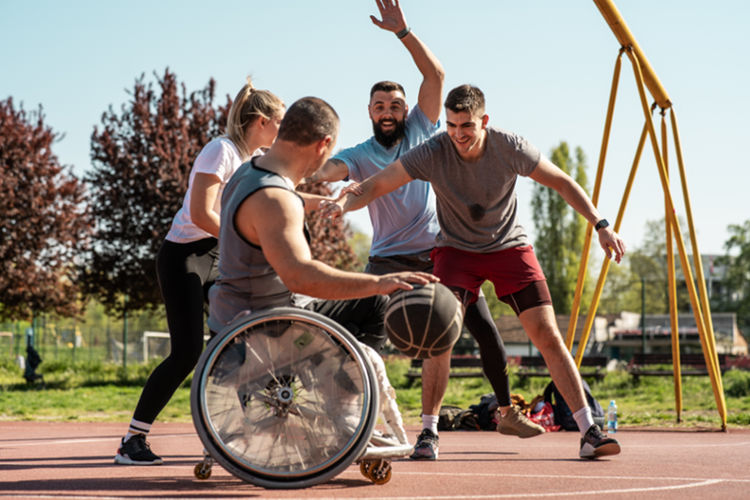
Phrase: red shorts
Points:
(510, 270)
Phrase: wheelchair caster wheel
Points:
(378, 471)
(202, 470)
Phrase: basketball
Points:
(423, 322)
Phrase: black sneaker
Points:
(136, 451)
(426, 447)
(595, 444)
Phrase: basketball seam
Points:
(457, 319)
(429, 320)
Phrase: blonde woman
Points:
(187, 260)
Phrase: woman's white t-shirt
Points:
(220, 158)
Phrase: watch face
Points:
(601, 224)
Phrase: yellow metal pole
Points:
(605, 266)
(678, 236)
(570, 335)
(671, 283)
(625, 37)
(708, 326)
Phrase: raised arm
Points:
(286, 249)
(431, 90)
(553, 177)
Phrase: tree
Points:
(360, 243)
(737, 280)
(142, 158)
(646, 266)
(649, 263)
(45, 222)
(621, 291)
(560, 230)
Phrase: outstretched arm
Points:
(391, 177)
(284, 246)
(433, 74)
(550, 175)
(333, 170)
(313, 201)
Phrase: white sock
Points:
(584, 419)
(430, 422)
(136, 427)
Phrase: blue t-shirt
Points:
(404, 221)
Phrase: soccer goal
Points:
(156, 345)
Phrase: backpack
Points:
(485, 412)
(563, 415)
(447, 417)
(453, 418)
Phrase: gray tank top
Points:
(247, 282)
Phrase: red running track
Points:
(40, 460)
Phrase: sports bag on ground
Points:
(563, 415)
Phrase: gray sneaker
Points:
(515, 423)
(426, 447)
(136, 451)
(595, 444)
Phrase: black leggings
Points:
(480, 324)
(363, 318)
(186, 271)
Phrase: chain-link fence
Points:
(105, 339)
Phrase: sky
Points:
(545, 66)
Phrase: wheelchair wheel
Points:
(284, 398)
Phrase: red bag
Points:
(545, 417)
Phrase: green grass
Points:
(104, 392)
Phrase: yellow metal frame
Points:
(646, 79)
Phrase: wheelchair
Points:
(287, 398)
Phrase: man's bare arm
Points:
(550, 175)
(391, 177)
(283, 243)
(313, 201)
(431, 90)
(333, 170)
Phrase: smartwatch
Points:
(601, 224)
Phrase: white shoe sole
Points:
(588, 451)
(125, 460)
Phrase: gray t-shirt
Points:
(476, 201)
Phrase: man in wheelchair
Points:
(265, 259)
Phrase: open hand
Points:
(354, 188)
(404, 280)
(612, 244)
(330, 209)
(393, 17)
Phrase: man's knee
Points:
(376, 341)
(437, 365)
(549, 340)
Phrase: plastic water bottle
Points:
(612, 417)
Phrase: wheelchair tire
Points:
(284, 398)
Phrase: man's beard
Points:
(388, 139)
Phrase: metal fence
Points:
(70, 340)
